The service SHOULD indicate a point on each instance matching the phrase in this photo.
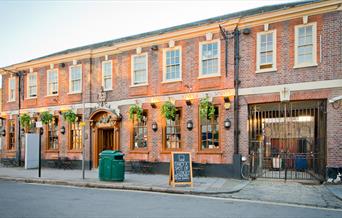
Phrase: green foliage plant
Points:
(169, 110)
(25, 121)
(69, 116)
(46, 117)
(207, 109)
(136, 110)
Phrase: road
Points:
(31, 200)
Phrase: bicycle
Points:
(246, 169)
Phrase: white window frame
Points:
(48, 82)
(28, 85)
(274, 50)
(165, 50)
(314, 46)
(111, 77)
(132, 69)
(219, 59)
(81, 85)
(9, 90)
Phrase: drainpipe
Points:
(224, 34)
(236, 87)
(20, 75)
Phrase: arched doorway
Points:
(105, 132)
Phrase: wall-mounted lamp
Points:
(154, 102)
(226, 102)
(227, 123)
(188, 99)
(22, 131)
(62, 130)
(154, 47)
(3, 133)
(189, 125)
(154, 126)
(41, 131)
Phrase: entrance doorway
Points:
(288, 140)
(105, 133)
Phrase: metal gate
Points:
(288, 140)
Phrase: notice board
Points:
(180, 169)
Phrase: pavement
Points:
(267, 190)
(133, 181)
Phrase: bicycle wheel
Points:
(245, 171)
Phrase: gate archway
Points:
(288, 139)
(105, 132)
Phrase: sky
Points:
(31, 29)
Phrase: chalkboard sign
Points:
(180, 168)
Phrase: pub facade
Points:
(269, 81)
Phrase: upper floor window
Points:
(76, 135)
(139, 69)
(107, 75)
(75, 83)
(172, 132)
(53, 134)
(266, 51)
(172, 64)
(52, 82)
(210, 131)
(210, 58)
(140, 132)
(11, 89)
(305, 45)
(32, 85)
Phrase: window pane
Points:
(209, 132)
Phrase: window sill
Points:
(305, 65)
(273, 70)
(107, 90)
(210, 151)
(139, 151)
(30, 98)
(74, 93)
(209, 76)
(139, 85)
(52, 151)
(11, 101)
(169, 151)
(171, 81)
(54, 95)
(74, 151)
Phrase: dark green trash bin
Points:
(111, 166)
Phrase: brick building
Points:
(273, 76)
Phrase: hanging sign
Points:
(180, 169)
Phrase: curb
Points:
(332, 192)
(118, 186)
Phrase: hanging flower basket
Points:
(69, 116)
(169, 110)
(25, 121)
(136, 110)
(46, 117)
(207, 109)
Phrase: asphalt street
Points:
(30, 200)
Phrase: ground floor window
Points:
(53, 134)
(172, 132)
(140, 132)
(209, 135)
(11, 135)
(76, 134)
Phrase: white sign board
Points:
(39, 124)
(31, 150)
